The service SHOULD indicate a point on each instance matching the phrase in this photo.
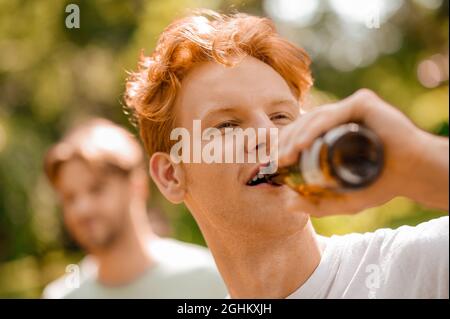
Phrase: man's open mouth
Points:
(260, 179)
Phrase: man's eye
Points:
(96, 189)
(281, 116)
(67, 198)
(227, 124)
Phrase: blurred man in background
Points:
(99, 174)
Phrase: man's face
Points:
(94, 206)
(249, 95)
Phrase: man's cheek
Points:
(218, 175)
(106, 207)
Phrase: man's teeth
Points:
(257, 176)
(261, 178)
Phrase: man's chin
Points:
(94, 243)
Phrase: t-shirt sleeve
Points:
(407, 262)
(414, 261)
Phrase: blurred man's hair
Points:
(206, 36)
(101, 144)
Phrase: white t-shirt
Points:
(408, 262)
(181, 270)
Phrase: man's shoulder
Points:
(407, 262)
(175, 251)
(433, 230)
(426, 236)
(86, 290)
(190, 266)
(76, 275)
(403, 245)
(427, 241)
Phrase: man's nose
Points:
(264, 129)
(83, 206)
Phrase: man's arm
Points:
(428, 184)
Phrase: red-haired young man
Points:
(236, 71)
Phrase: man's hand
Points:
(416, 162)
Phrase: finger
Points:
(314, 123)
(291, 140)
(351, 108)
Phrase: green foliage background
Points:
(51, 76)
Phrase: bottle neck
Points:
(289, 175)
(347, 157)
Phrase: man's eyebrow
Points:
(218, 110)
(291, 102)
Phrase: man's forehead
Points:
(212, 85)
(74, 167)
(77, 172)
(251, 72)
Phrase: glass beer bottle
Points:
(345, 158)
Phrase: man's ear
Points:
(168, 177)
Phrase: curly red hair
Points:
(207, 36)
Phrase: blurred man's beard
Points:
(100, 241)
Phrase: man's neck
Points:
(128, 257)
(258, 266)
